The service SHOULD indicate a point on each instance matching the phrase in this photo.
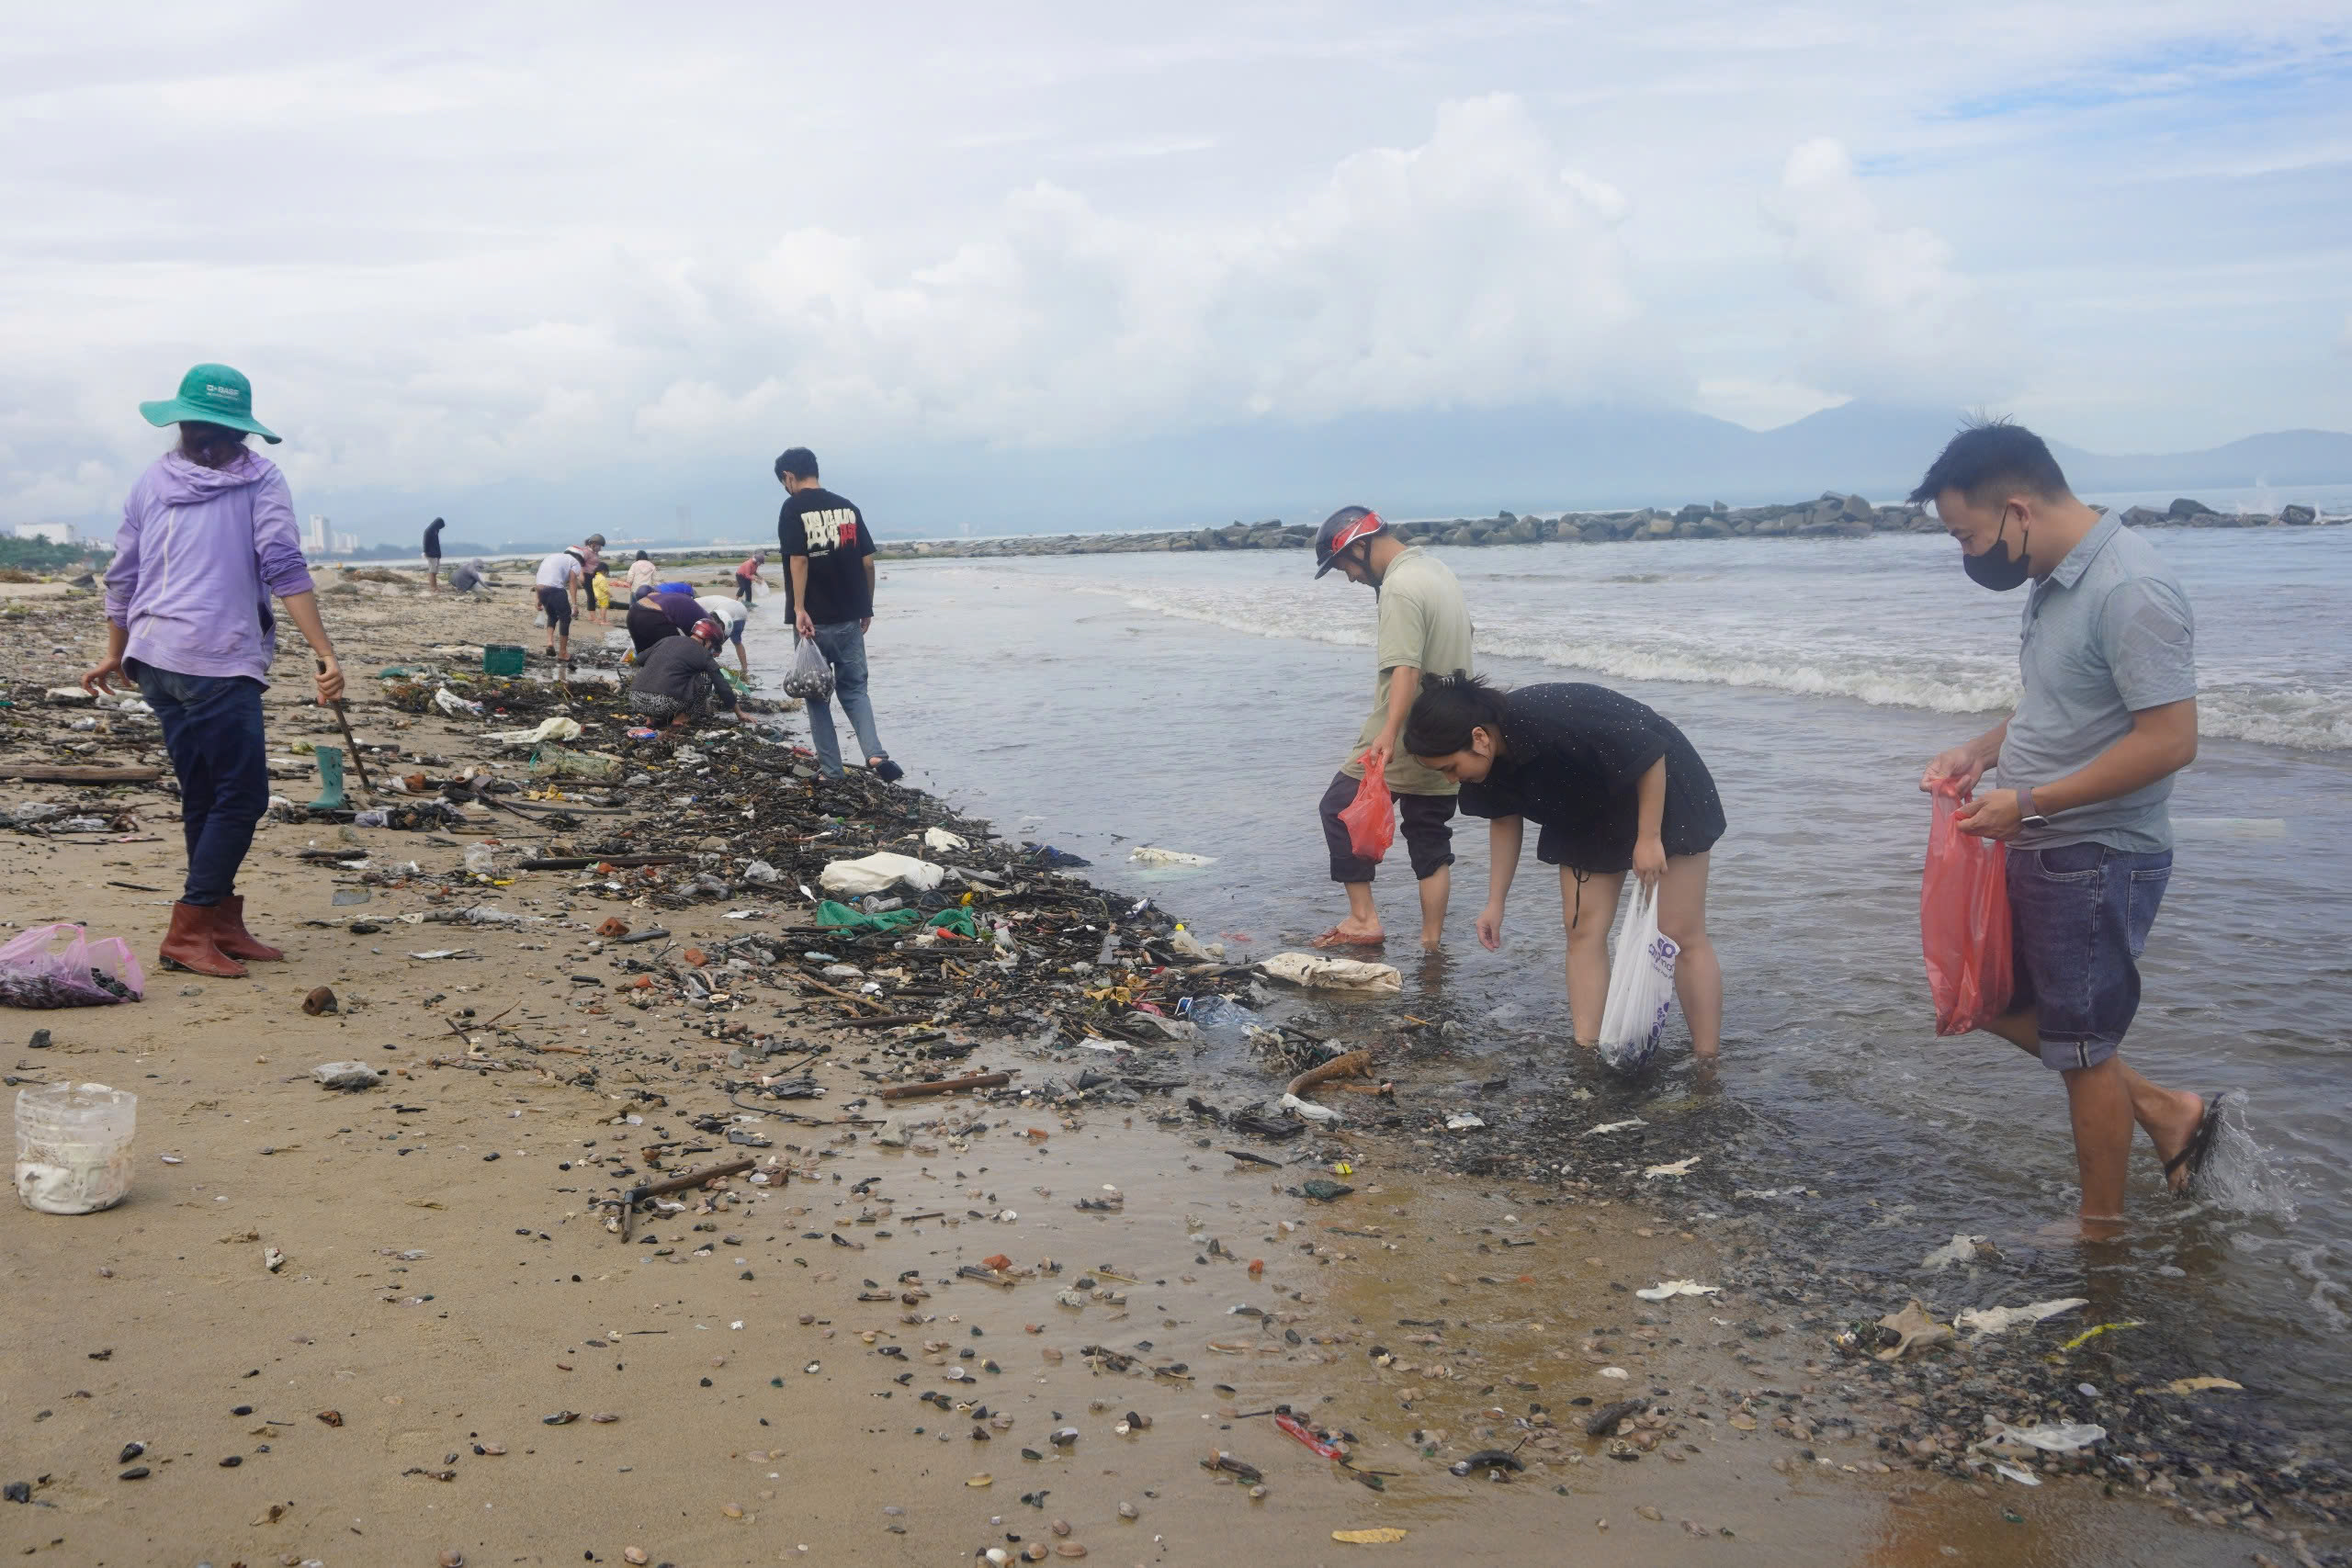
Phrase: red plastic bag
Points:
(1371, 816)
(1965, 922)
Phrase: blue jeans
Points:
(2080, 915)
(213, 728)
(843, 647)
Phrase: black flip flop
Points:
(888, 771)
(2199, 1145)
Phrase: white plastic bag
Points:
(876, 872)
(1641, 987)
(811, 675)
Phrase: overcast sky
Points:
(483, 242)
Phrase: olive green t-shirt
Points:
(1424, 625)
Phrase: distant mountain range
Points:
(1458, 462)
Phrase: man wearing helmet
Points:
(678, 678)
(1424, 629)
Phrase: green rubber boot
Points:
(330, 779)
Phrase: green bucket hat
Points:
(213, 394)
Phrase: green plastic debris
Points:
(1323, 1190)
(841, 917)
(562, 762)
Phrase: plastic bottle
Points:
(73, 1146)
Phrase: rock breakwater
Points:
(1830, 516)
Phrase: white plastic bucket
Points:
(73, 1146)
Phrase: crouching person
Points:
(678, 678)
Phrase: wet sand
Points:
(743, 1434)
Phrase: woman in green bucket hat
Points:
(208, 538)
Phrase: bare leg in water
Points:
(2104, 1103)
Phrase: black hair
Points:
(1448, 708)
(641, 556)
(798, 461)
(1988, 453)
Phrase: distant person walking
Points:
(1614, 787)
(747, 576)
(558, 576)
(207, 536)
(641, 573)
(828, 556)
(1424, 630)
(587, 553)
(433, 555)
(2107, 717)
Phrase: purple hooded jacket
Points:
(200, 552)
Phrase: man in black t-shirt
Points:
(433, 555)
(829, 581)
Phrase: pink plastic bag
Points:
(59, 966)
(1965, 922)
(1371, 816)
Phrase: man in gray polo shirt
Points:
(2085, 766)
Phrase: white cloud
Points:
(1904, 322)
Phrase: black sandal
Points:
(2199, 1145)
(888, 771)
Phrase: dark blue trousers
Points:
(213, 728)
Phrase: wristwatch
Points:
(2027, 816)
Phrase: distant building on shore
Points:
(314, 535)
(53, 533)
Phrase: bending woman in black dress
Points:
(1614, 788)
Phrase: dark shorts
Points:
(2080, 915)
(557, 606)
(1423, 820)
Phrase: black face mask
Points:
(1999, 569)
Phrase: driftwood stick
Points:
(944, 1086)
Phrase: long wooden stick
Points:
(944, 1086)
(845, 995)
(351, 745)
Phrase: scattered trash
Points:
(1673, 1288)
(2200, 1385)
(59, 966)
(1961, 1249)
(1464, 1121)
(876, 872)
(1309, 1109)
(1618, 1126)
(940, 838)
(1917, 1331)
(347, 1076)
(2087, 1335)
(1982, 1322)
(1603, 1421)
(73, 1146)
(1146, 854)
(272, 1260)
(1318, 973)
(2054, 1438)
(1384, 1535)
(2022, 1477)
(554, 727)
(1488, 1458)
(1677, 1167)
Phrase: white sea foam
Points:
(1744, 655)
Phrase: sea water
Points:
(1201, 703)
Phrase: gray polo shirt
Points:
(2106, 634)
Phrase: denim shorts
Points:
(2080, 915)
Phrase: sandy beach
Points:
(458, 1359)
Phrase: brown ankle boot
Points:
(229, 933)
(189, 945)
